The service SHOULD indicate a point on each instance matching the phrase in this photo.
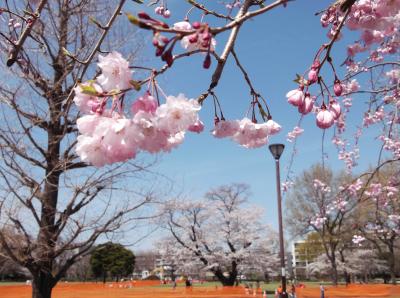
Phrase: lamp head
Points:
(276, 150)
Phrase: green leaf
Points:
(88, 89)
(136, 84)
(66, 52)
(262, 112)
(299, 79)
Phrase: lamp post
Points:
(277, 150)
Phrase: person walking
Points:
(293, 291)
(322, 290)
(280, 292)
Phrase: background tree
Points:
(313, 205)
(363, 263)
(80, 270)
(220, 232)
(112, 259)
(378, 219)
(56, 204)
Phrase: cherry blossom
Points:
(177, 114)
(297, 131)
(146, 103)
(225, 128)
(115, 72)
(251, 135)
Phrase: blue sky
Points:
(273, 48)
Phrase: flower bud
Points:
(143, 15)
(167, 57)
(159, 10)
(196, 25)
(167, 13)
(207, 61)
(324, 118)
(312, 76)
(337, 88)
(193, 38)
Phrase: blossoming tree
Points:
(316, 205)
(55, 206)
(219, 234)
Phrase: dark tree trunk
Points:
(334, 270)
(226, 281)
(392, 262)
(42, 285)
(347, 278)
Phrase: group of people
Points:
(279, 292)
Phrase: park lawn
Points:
(11, 283)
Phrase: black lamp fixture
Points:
(276, 150)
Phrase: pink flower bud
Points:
(324, 118)
(295, 97)
(312, 76)
(159, 10)
(337, 88)
(164, 39)
(307, 105)
(193, 38)
(316, 64)
(167, 57)
(167, 13)
(207, 61)
(159, 51)
(196, 25)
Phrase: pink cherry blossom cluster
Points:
(318, 221)
(391, 145)
(113, 138)
(355, 187)
(374, 117)
(162, 10)
(292, 135)
(337, 205)
(374, 190)
(378, 21)
(245, 132)
(321, 186)
(349, 158)
(109, 136)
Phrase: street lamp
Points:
(276, 151)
